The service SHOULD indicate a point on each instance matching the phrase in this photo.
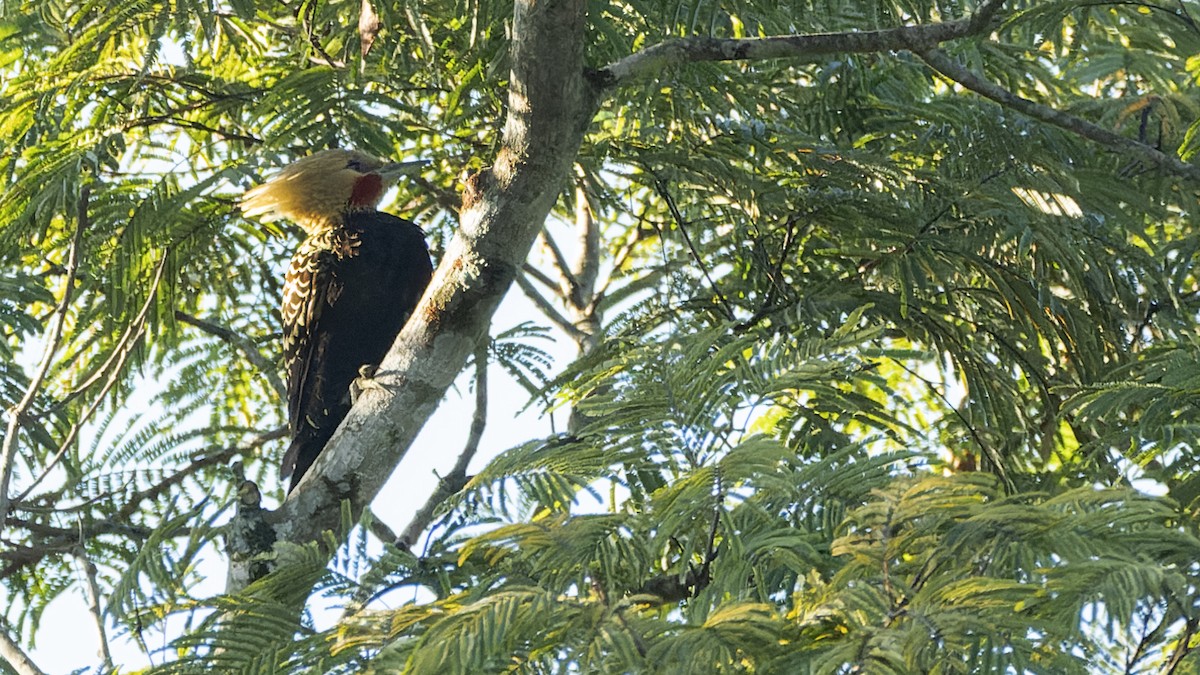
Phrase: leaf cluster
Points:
(877, 363)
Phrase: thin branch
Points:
(381, 530)
(107, 527)
(306, 26)
(1154, 307)
(1187, 17)
(986, 449)
(1181, 14)
(618, 260)
(1182, 648)
(168, 120)
(224, 455)
(52, 501)
(91, 592)
(956, 72)
(457, 478)
(54, 335)
(211, 95)
(673, 53)
(661, 188)
(240, 343)
(548, 309)
(118, 522)
(540, 276)
(123, 346)
(568, 283)
(121, 354)
(1149, 637)
(587, 264)
(16, 657)
(711, 551)
(673, 588)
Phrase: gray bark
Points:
(504, 207)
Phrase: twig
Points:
(54, 334)
(116, 523)
(120, 355)
(1186, 16)
(168, 120)
(548, 309)
(711, 552)
(240, 343)
(1149, 637)
(618, 260)
(91, 592)
(106, 527)
(457, 478)
(956, 72)
(540, 276)
(212, 95)
(1151, 309)
(14, 656)
(568, 284)
(381, 530)
(1182, 648)
(661, 188)
(130, 334)
(673, 588)
(306, 25)
(224, 455)
(1181, 14)
(986, 449)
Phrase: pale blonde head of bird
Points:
(317, 191)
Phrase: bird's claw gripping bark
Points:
(364, 381)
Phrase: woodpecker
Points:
(349, 289)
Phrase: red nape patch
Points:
(367, 190)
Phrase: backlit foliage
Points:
(890, 378)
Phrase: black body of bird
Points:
(350, 287)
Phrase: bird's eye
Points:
(355, 164)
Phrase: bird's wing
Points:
(347, 294)
(310, 287)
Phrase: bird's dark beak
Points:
(394, 170)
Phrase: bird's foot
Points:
(364, 381)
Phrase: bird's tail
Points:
(300, 455)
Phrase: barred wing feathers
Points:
(347, 294)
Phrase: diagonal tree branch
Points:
(16, 657)
(550, 105)
(545, 307)
(567, 284)
(1182, 646)
(54, 334)
(91, 593)
(539, 276)
(124, 349)
(956, 72)
(59, 540)
(587, 263)
(680, 222)
(243, 345)
(673, 53)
